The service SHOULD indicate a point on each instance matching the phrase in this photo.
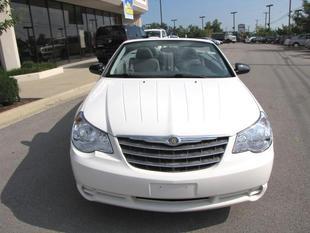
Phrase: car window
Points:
(169, 59)
(153, 33)
(111, 31)
(134, 32)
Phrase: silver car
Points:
(299, 40)
(307, 44)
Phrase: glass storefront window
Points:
(41, 30)
(118, 19)
(52, 30)
(71, 20)
(99, 18)
(113, 21)
(106, 17)
(24, 30)
(91, 20)
(84, 33)
(58, 30)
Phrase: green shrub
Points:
(31, 67)
(9, 91)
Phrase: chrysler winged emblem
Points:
(173, 141)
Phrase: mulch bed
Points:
(17, 104)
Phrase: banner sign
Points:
(128, 9)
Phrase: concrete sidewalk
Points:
(73, 77)
(75, 82)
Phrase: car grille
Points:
(161, 157)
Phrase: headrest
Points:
(144, 53)
(189, 53)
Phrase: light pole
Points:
(234, 20)
(174, 20)
(202, 19)
(161, 13)
(269, 6)
(266, 14)
(289, 15)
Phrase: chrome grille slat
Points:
(175, 165)
(188, 156)
(176, 156)
(158, 146)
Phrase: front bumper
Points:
(110, 179)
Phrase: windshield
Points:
(169, 59)
(153, 33)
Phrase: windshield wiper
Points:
(187, 76)
(125, 75)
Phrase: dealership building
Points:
(60, 30)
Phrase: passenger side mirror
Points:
(97, 68)
(241, 68)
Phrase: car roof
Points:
(168, 39)
(154, 29)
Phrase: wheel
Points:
(296, 44)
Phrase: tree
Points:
(181, 31)
(284, 30)
(262, 31)
(195, 32)
(9, 20)
(302, 20)
(216, 26)
(213, 27)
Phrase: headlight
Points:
(256, 138)
(88, 138)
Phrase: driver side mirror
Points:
(97, 68)
(241, 68)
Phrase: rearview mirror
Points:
(241, 68)
(97, 68)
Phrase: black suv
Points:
(109, 38)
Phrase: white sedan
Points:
(170, 127)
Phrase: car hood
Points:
(182, 107)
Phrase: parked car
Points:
(170, 127)
(250, 40)
(283, 39)
(52, 49)
(297, 41)
(307, 44)
(156, 33)
(218, 36)
(109, 38)
(217, 42)
(230, 38)
(270, 39)
(261, 39)
(287, 41)
(173, 36)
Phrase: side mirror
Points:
(241, 68)
(97, 68)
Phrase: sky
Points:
(188, 11)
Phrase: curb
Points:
(38, 75)
(25, 111)
(72, 65)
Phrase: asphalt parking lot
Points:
(37, 188)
